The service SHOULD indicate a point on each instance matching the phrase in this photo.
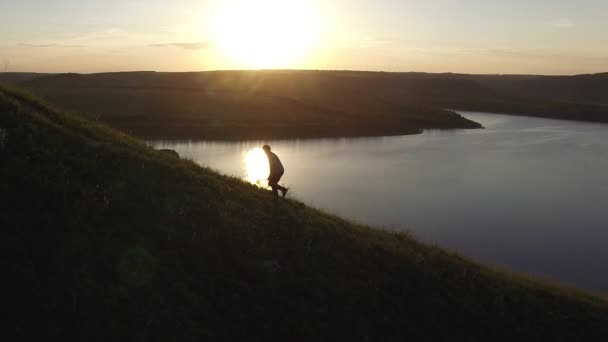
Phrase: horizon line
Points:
(300, 70)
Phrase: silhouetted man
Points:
(276, 172)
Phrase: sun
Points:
(265, 33)
(256, 167)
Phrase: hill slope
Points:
(288, 104)
(583, 89)
(241, 105)
(107, 239)
(12, 78)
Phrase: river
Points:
(527, 194)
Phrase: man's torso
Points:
(276, 167)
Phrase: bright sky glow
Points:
(472, 36)
(265, 33)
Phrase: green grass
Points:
(107, 239)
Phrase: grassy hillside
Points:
(582, 89)
(241, 105)
(289, 104)
(106, 239)
(12, 78)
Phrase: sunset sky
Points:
(472, 36)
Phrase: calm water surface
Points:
(525, 193)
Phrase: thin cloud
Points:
(563, 23)
(52, 45)
(364, 42)
(505, 52)
(185, 46)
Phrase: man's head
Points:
(266, 148)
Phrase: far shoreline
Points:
(252, 138)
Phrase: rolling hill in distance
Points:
(294, 104)
(108, 239)
(12, 78)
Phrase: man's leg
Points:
(274, 190)
(277, 179)
(273, 184)
(283, 189)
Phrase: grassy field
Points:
(237, 105)
(107, 239)
(240, 105)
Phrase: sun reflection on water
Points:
(256, 167)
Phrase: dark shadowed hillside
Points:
(106, 239)
(242, 105)
(581, 89)
(290, 104)
(11, 78)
